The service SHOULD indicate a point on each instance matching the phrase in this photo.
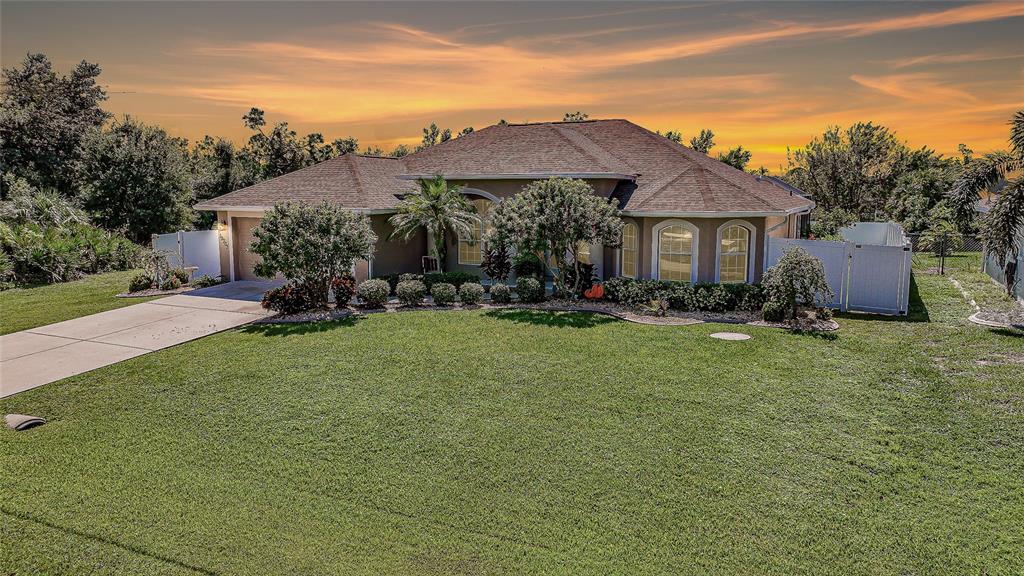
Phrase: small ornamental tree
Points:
(798, 277)
(559, 216)
(311, 245)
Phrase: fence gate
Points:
(863, 277)
(879, 279)
(199, 248)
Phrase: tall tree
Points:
(703, 142)
(1002, 230)
(576, 116)
(440, 209)
(737, 157)
(137, 179)
(217, 169)
(346, 145)
(672, 135)
(45, 118)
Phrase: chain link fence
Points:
(940, 253)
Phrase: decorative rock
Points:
(730, 336)
(22, 421)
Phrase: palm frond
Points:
(1017, 133)
(1004, 224)
(978, 176)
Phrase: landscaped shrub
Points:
(773, 311)
(205, 281)
(471, 293)
(391, 279)
(797, 278)
(744, 296)
(409, 276)
(344, 287)
(410, 292)
(291, 298)
(181, 274)
(680, 297)
(530, 290)
(311, 244)
(443, 293)
(374, 293)
(6, 271)
(710, 298)
(140, 282)
(642, 292)
(455, 278)
(500, 294)
(170, 283)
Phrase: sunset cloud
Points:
(766, 76)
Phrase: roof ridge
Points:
(660, 189)
(561, 133)
(359, 180)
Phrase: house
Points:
(687, 217)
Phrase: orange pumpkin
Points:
(595, 292)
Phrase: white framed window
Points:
(735, 248)
(630, 246)
(675, 251)
(471, 247)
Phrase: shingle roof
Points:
(352, 180)
(669, 177)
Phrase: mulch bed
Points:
(998, 319)
(807, 323)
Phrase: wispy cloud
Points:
(949, 58)
(915, 88)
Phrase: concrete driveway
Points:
(45, 354)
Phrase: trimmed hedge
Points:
(530, 290)
(443, 293)
(500, 294)
(374, 293)
(471, 293)
(410, 292)
(705, 297)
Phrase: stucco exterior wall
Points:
(396, 256)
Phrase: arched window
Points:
(733, 253)
(629, 250)
(471, 247)
(675, 253)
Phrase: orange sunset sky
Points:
(764, 75)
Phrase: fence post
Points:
(942, 255)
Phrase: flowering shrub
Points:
(471, 293)
(444, 294)
(374, 293)
(530, 290)
(797, 278)
(501, 294)
(410, 292)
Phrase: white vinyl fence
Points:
(868, 271)
(199, 248)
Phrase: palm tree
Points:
(1003, 226)
(441, 209)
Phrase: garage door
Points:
(244, 259)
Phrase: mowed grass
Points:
(24, 308)
(522, 442)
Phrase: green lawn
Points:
(24, 308)
(530, 442)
